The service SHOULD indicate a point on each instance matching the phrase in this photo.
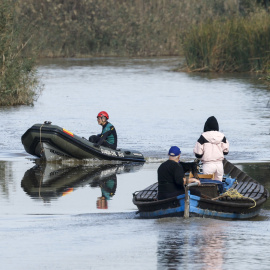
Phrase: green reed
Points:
(18, 80)
(231, 45)
(31, 29)
(117, 27)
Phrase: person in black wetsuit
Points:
(108, 136)
(171, 175)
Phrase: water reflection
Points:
(50, 181)
(5, 173)
(192, 245)
(108, 186)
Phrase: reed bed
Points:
(117, 27)
(31, 29)
(238, 44)
(18, 80)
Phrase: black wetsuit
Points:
(107, 138)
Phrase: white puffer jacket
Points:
(211, 147)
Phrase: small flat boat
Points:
(240, 197)
(51, 142)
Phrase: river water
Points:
(81, 216)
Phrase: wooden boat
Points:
(242, 198)
(51, 142)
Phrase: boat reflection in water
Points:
(50, 181)
(201, 244)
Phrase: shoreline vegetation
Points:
(212, 36)
(238, 44)
(19, 83)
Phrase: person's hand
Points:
(96, 145)
(194, 180)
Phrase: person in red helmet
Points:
(108, 136)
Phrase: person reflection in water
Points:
(108, 136)
(171, 176)
(211, 148)
(108, 188)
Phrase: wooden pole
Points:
(186, 211)
(187, 199)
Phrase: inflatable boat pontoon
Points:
(52, 142)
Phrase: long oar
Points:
(187, 200)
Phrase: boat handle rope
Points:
(42, 149)
(45, 123)
(234, 194)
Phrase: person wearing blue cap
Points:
(171, 175)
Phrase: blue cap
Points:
(174, 151)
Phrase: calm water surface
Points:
(80, 215)
(150, 106)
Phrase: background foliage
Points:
(241, 43)
(120, 27)
(213, 35)
(18, 81)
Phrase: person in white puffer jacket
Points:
(211, 148)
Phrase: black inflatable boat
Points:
(52, 142)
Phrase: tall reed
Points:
(118, 27)
(235, 44)
(18, 80)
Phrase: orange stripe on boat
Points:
(68, 132)
(67, 191)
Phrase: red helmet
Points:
(103, 113)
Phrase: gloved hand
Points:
(96, 145)
(195, 169)
(196, 160)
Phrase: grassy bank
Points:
(231, 45)
(18, 80)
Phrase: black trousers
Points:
(95, 139)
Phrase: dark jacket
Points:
(170, 179)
